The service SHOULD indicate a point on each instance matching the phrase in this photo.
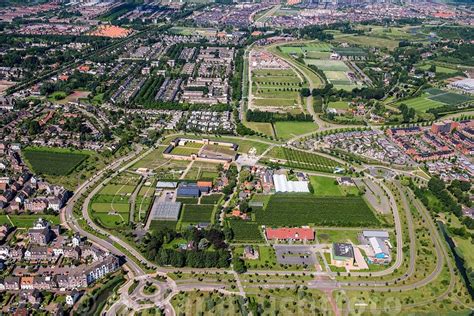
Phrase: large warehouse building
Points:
(283, 185)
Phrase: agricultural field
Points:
(302, 68)
(211, 199)
(335, 72)
(434, 98)
(440, 69)
(202, 171)
(287, 130)
(53, 162)
(307, 209)
(245, 231)
(159, 225)
(302, 160)
(367, 41)
(275, 87)
(193, 213)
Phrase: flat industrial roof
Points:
(166, 210)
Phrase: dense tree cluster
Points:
(204, 248)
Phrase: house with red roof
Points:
(284, 233)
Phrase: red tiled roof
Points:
(204, 184)
(290, 233)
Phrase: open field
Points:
(245, 230)
(303, 160)
(339, 105)
(184, 151)
(307, 209)
(290, 129)
(181, 30)
(332, 236)
(325, 186)
(111, 221)
(110, 207)
(26, 221)
(306, 48)
(197, 213)
(314, 78)
(52, 161)
(421, 103)
(434, 98)
(117, 189)
(451, 98)
(264, 128)
(158, 225)
(328, 65)
(274, 102)
(367, 41)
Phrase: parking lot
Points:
(295, 255)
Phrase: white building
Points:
(283, 185)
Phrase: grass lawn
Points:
(325, 186)
(117, 189)
(266, 257)
(26, 221)
(328, 65)
(184, 151)
(111, 220)
(421, 103)
(450, 98)
(110, 207)
(332, 236)
(56, 162)
(340, 105)
(197, 213)
(264, 128)
(264, 102)
(289, 129)
(57, 95)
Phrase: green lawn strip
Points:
(27, 221)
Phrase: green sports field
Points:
(434, 98)
(328, 65)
